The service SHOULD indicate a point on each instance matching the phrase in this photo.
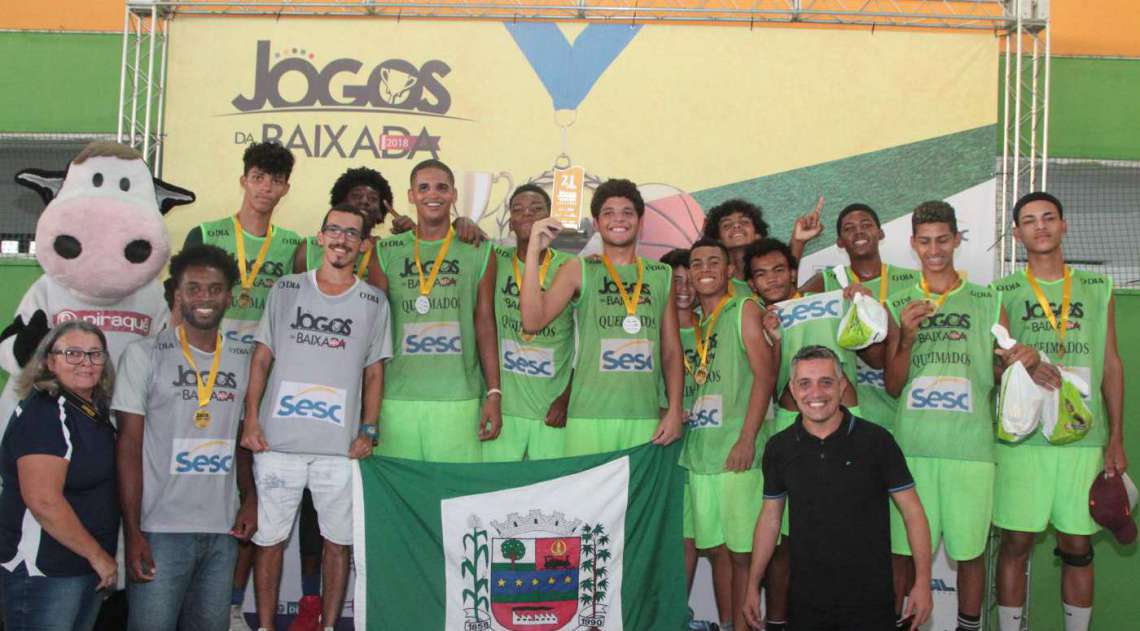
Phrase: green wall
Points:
(1116, 606)
(16, 275)
(1094, 108)
(59, 82)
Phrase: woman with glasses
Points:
(59, 517)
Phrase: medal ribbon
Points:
(205, 391)
(704, 331)
(429, 282)
(941, 299)
(364, 260)
(248, 277)
(541, 270)
(883, 281)
(1066, 302)
(630, 303)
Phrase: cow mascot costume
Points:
(102, 243)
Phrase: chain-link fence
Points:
(1102, 209)
(19, 206)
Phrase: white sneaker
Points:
(237, 619)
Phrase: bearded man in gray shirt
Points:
(178, 400)
(315, 384)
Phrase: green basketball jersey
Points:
(240, 323)
(946, 406)
(741, 287)
(534, 372)
(314, 254)
(1085, 337)
(812, 319)
(877, 406)
(618, 374)
(435, 355)
(721, 403)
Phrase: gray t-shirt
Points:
(189, 481)
(321, 345)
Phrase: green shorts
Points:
(958, 497)
(586, 436)
(525, 437)
(785, 419)
(687, 514)
(1038, 485)
(726, 507)
(434, 431)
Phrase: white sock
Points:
(1009, 618)
(1076, 618)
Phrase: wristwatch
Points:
(371, 431)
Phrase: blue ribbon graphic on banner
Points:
(569, 71)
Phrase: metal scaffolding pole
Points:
(142, 78)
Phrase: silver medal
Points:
(423, 305)
(631, 324)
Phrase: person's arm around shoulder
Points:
(301, 257)
(539, 308)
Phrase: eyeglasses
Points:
(74, 356)
(350, 234)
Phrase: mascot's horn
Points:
(47, 184)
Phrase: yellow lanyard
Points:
(363, 270)
(429, 282)
(545, 267)
(883, 281)
(206, 390)
(248, 277)
(629, 302)
(704, 336)
(941, 299)
(1066, 303)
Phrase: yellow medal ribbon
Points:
(427, 283)
(205, 391)
(629, 302)
(248, 277)
(704, 335)
(883, 281)
(941, 299)
(1066, 303)
(545, 267)
(364, 260)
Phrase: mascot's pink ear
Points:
(48, 183)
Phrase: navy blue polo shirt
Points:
(838, 488)
(53, 425)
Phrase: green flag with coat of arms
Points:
(574, 544)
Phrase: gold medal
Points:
(936, 304)
(545, 267)
(249, 276)
(704, 336)
(202, 418)
(1066, 303)
(205, 390)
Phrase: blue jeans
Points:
(192, 584)
(48, 603)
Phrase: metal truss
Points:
(142, 80)
(941, 14)
(1024, 163)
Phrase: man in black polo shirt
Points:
(838, 471)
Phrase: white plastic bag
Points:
(1020, 399)
(864, 323)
